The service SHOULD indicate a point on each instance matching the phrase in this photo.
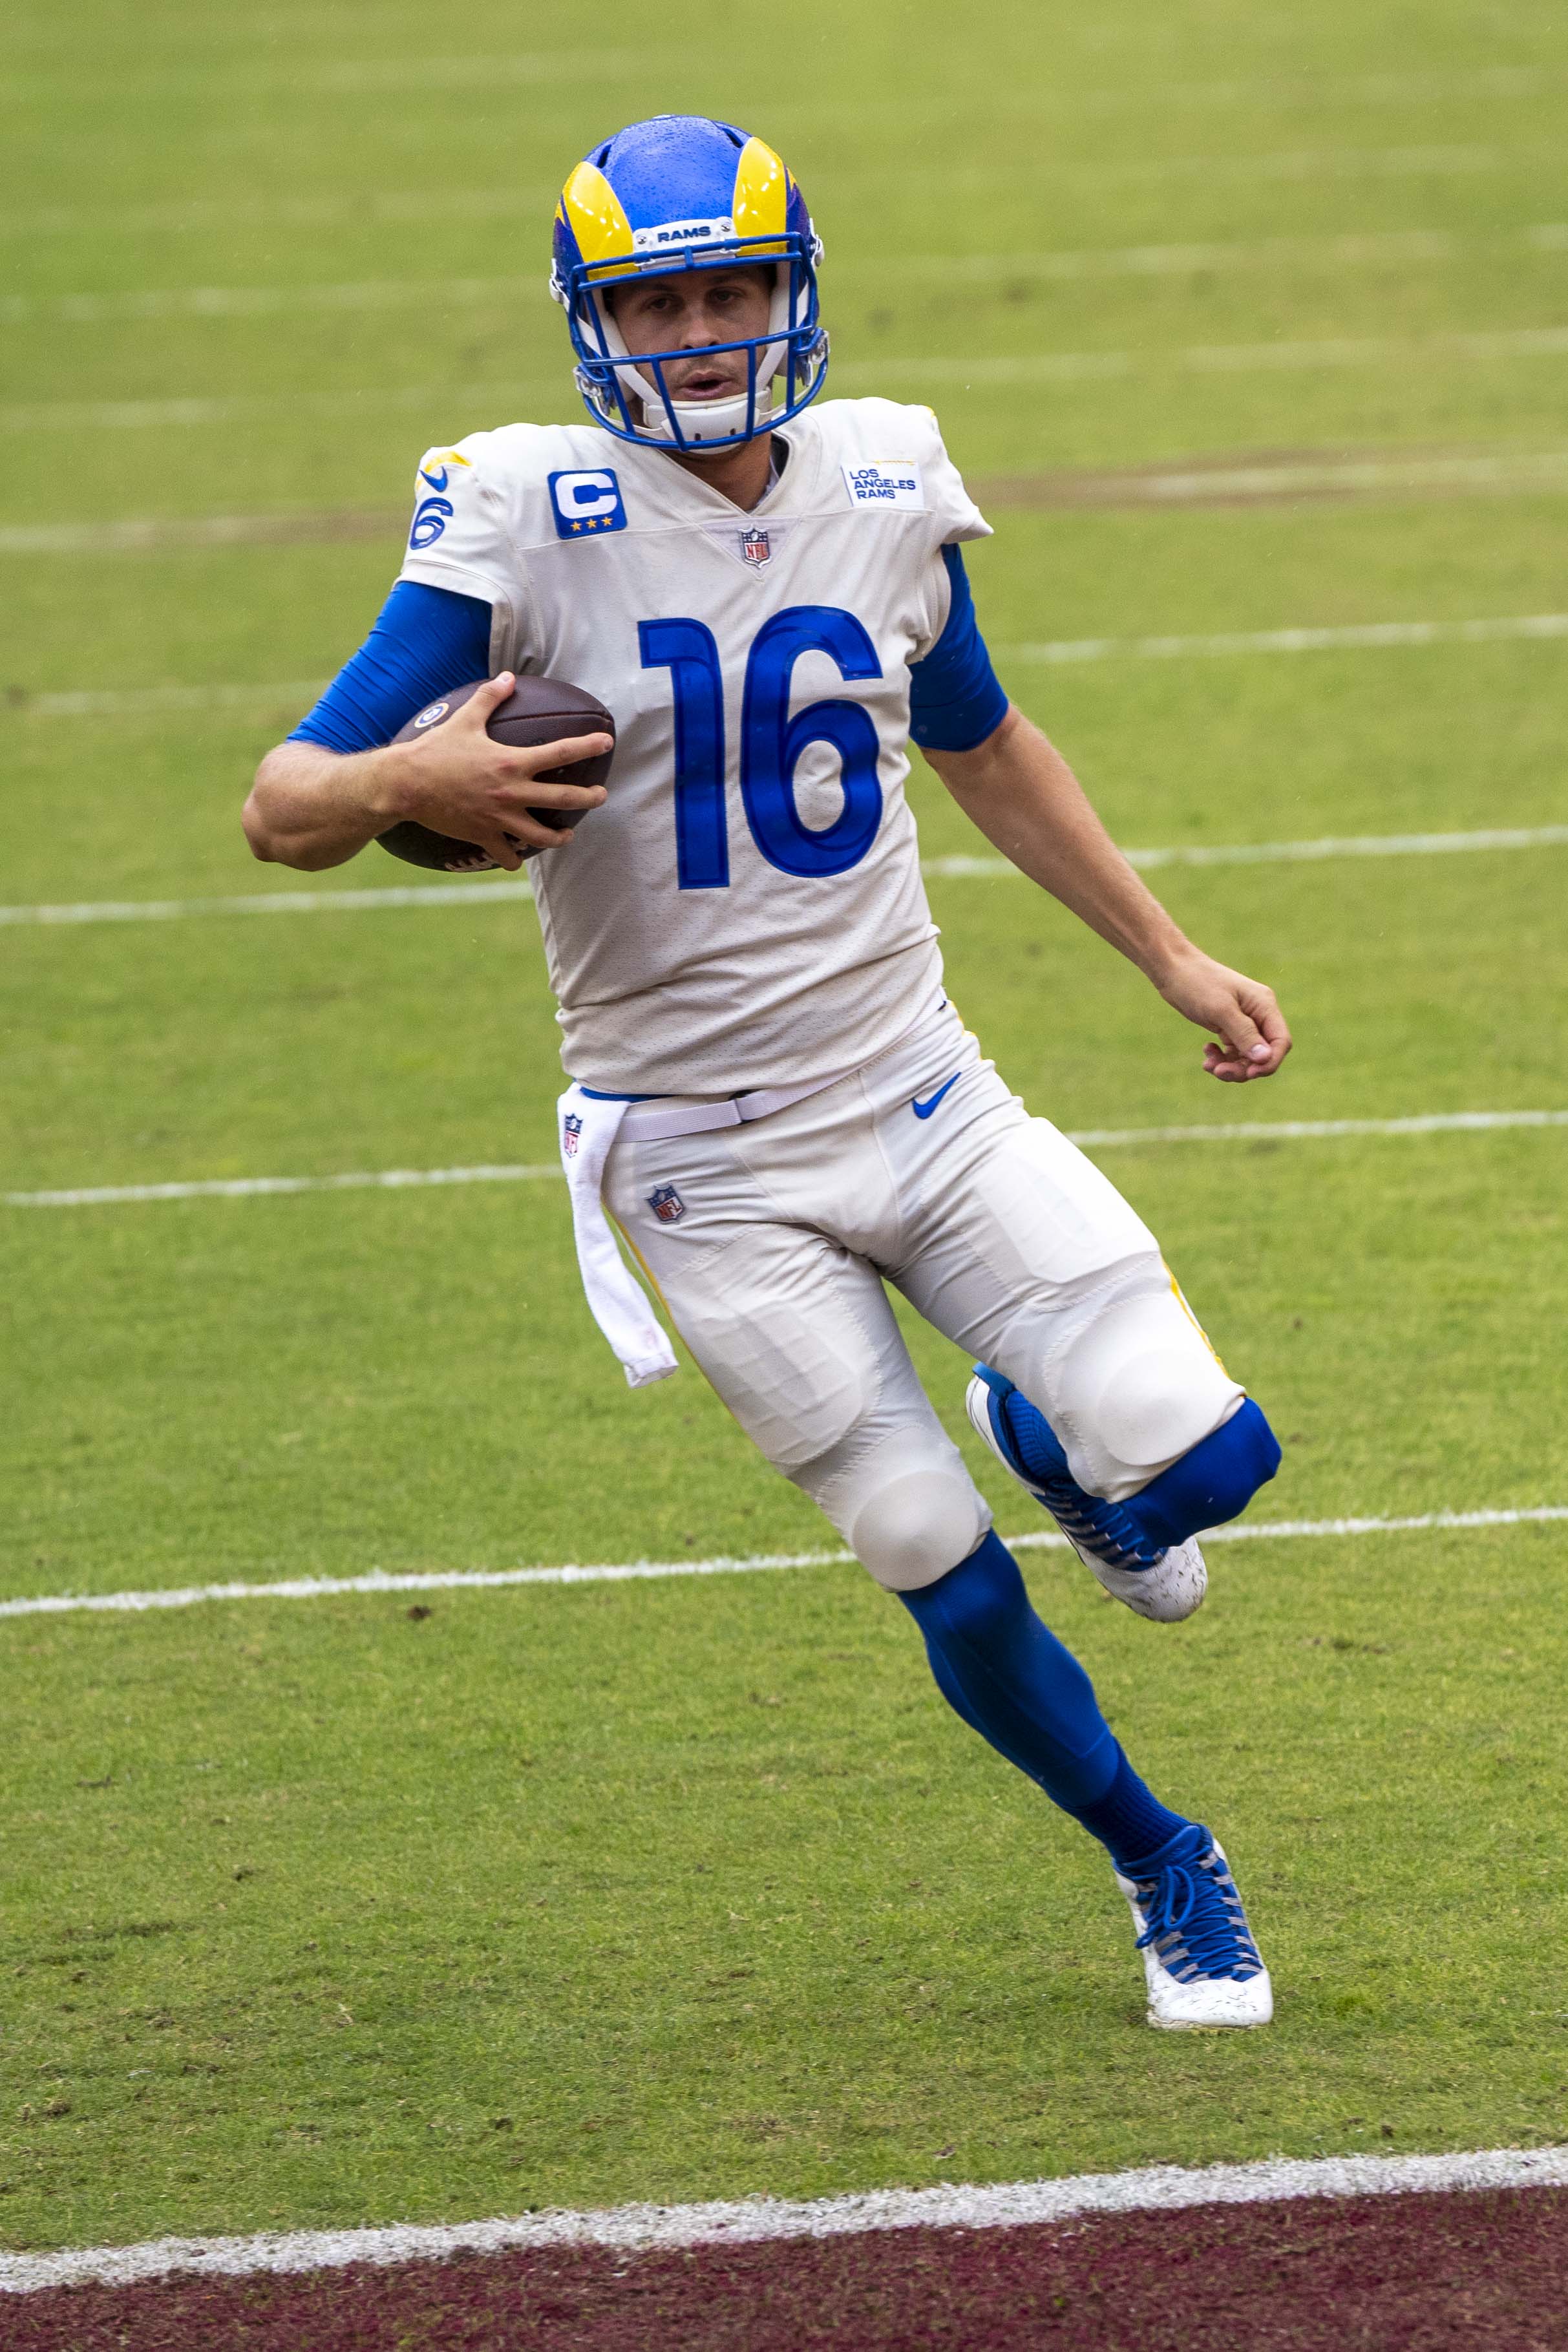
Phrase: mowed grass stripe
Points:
(852, 375)
(1252, 485)
(1370, 249)
(400, 1180)
(428, 72)
(1342, 250)
(960, 868)
(1308, 165)
(485, 1579)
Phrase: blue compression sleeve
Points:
(956, 698)
(1010, 1680)
(426, 641)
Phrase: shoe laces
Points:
(1104, 1529)
(1197, 1925)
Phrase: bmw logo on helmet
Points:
(680, 191)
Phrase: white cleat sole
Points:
(1202, 2004)
(1172, 1589)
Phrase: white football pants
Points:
(922, 1171)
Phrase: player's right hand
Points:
(457, 781)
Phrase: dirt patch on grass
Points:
(1388, 2273)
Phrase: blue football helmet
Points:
(679, 192)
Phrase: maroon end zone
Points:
(1486, 2270)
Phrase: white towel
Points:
(588, 1127)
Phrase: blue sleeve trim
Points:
(426, 641)
(956, 698)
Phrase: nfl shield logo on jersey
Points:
(755, 548)
(571, 1134)
(667, 1204)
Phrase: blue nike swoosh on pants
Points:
(924, 1109)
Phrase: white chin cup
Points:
(708, 420)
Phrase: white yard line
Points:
(1208, 485)
(1279, 853)
(148, 534)
(1286, 1130)
(1367, 636)
(453, 400)
(1165, 2187)
(476, 892)
(400, 1180)
(485, 1579)
(250, 1188)
(506, 890)
(431, 71)
(150, 701)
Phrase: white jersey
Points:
(746, 910)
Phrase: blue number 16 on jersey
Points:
(771, 744)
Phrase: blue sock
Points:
(1012, 1681)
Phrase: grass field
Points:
(326, 1911)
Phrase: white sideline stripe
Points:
(485, 1579)
(508, 890)
(398, 1180)
(1369, 635)
(1161, 2188)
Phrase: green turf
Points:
(315, 1913)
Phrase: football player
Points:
(771, 1093)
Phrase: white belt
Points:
(654, 1122)
(588, 1127)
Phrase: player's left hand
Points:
(1242, 1012)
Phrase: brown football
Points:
(540, 711)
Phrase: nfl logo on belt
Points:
(571, 1134)
(754, 547)
(667, 1205)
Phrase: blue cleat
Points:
(1200, 1959)
(1165, 1584)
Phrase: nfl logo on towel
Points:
(755, 548)
(571, 1134)
(667, 1205)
